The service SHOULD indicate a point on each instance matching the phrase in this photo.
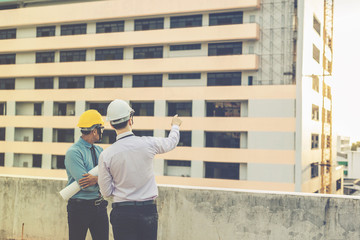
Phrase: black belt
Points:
(92, 202)
(133, 203)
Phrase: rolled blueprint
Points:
(74, 187)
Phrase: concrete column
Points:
(127, 81)
(129, 26)
(48, 108)
(244, 109)
(166, 22)
(89, 82)
(91, 28)
(243, 140)
(197, 169)
(159, 167)
(47, 134)
(166, 51)
(205, 19)
(9, 159)
(56, 82)
(90, 55)
(159, 133)
(243, 171)
(198, 108)
(46, 161)
(10, 108)
(80, 107)
(128, 53)
(160, 108)
(77, 134)
(9, 134)
(57, 30)
(57, 56)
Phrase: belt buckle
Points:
(98, 202)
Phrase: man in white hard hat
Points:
(87, 209)
(126, 173)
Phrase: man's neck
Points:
(123, 130)
(87, 139)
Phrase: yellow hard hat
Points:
(90, 118)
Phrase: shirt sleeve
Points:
(75, 165)
(163, 145)
(104, 178)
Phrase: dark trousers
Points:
(83, 216)
(134, 222)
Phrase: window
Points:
(147, 80)
(72, 56)
(177, 76)
(109, 54)
(38, 134)
(37, 109)
(108, 27)
(71, 82)
(7, 83)
(317, 25)
(73, 29)
(143, 133)
(45, 57)
(328, 116)
(58, 162)
(222, 139)
(148, 52)
(64, 109)
(2, 134)
(222, 170)
(315, 83)
(8, 33)
(314, 170)
(2, 108)
(100, 107)
(184, 109)
(37, 159)
(314, 141)
(63, 135)
(315, 113)
(108, 137)
(185, 47)
(2, 159)
(223, 109)
(225, 18)
(224, 79)
(108, 81)
(143, 108)
(250, 80)
(338, 184)
(7, 58)
(47, 31)
(185, 138)
(149, 24)
(44, 83)
(179, 168)
(186, 21)
(316, 53)
(229, 48)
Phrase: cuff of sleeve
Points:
(175, 127)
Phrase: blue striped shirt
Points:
(78, 161)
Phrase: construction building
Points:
(251, 80)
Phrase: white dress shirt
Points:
(126, 167)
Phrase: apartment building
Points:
(244, 75)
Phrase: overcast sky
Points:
(346, 88)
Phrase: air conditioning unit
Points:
(26, 138)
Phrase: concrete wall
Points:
(190, 213)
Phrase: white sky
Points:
(346, 87)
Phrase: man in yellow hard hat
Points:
(126, 173)
(86, 209)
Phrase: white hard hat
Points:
(118, 111)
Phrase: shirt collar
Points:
(85, 143)
(121, 135)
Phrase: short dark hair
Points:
(119, 125)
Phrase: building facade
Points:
(243, 76)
